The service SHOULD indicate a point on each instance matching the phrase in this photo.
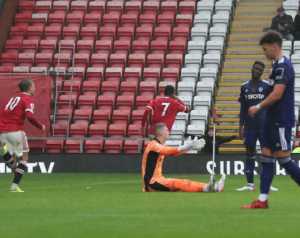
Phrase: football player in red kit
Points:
(13, 141)
(163, 109)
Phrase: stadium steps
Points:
(251, 17)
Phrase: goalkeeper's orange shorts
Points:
(175, 185)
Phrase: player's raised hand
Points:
(198, 144)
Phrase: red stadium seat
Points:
(148, 17)
(26, 5)
(146, 86)
(133, 6)
(55, 145)
(93, 145)
(170, 74)
(26, 58)
(106, 100)
(98, 128)
(13, 43)
(85, 45)
(122, 44)
(68, 99)
(103, 113)
(125, 100)
(187, 7)
(121, 115)
(159, 44)
(129, 86)
(181, 31)
(83, 114)
(64, 113)
(135, 129)
(127, 30)
(53, 30)
(60, 128)
(137, 116)
(141, 45)
(91, 86)
(94, 73)
(130, 17)
(166, 17)
(79, 129)
(174, 60)
(111, 17)
(79, 5)
(9, 57)
(93, 17)
(24, 16)
(108, 30)
(30, 44)
(155, 59)
(133, 73)
(71, 31)
(163, 30)
(57, 17)
(113, 146)
(151, 6)
(98, 6)
(178, 45)
(115, 6)
(117, 129)
(44, 59)
(104, 45)
(151, 72)
(100, 59)
(89, 32)
(110, 86)
(137, 60)
(87, 99)
(82, 59)
(74, 17)
(61, 5)
(43, 6)
(144, 30)
(72, 85)
(116, 60)
(114, 72)
(73, 146)
(132, 146)
(184, 19)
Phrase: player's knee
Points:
(22, 167)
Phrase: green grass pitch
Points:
(112, 205)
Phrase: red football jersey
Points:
(13, 115)
(165, 109)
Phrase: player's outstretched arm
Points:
(30, 117)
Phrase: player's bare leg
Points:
(9, 160)
(19, 172)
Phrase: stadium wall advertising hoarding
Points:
(198, 164)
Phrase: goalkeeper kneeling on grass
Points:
(152, 164)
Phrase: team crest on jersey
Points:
(246, 90)
(260, 89)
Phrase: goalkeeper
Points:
(152, 163)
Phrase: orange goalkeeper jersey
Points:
(153, 159)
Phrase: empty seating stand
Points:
(118, 55)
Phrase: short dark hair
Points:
(271, 37)
(260, 63)
(169, 90)
(25, 85)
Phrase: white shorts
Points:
(16, 142)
